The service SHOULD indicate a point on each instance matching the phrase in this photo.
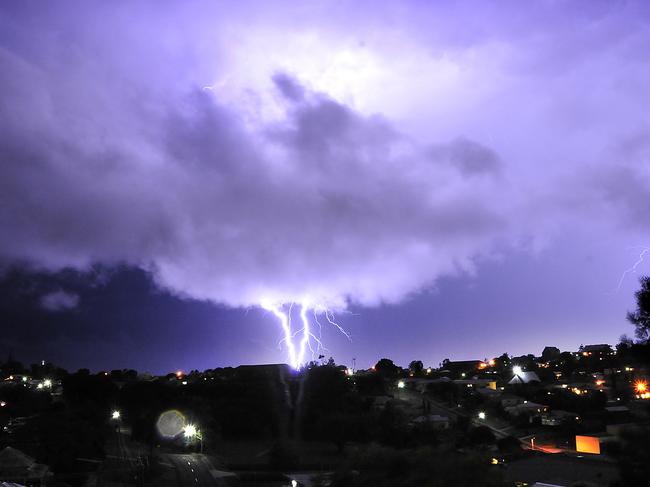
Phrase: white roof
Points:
(525, 378)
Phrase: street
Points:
(192, 470)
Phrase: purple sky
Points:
(453, 179)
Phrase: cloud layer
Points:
(224, 158)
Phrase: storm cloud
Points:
(239, 160)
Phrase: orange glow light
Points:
(641, 386)
(588, 444)
(492, 362)
(179, 373)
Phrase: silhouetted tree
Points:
(386, 367)
(416, 367)
(640, 318)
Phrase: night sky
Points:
(450, 179)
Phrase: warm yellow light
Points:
(587, 444)
(641, 386)
(179, 373)
(492, 362)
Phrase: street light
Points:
(481, 415)
(517, 370)
(190, 431)
(115, 415)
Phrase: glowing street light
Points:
(190, 431)
(401, 384)
(47, 383)
(517, 370)
(115, 415)
(481, 415)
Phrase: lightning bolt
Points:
(632, 270)
(288, 338)
(297, 352)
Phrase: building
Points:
(435, 420)
(600, 351)
(559, 417)
(527, 408)
(461, 368)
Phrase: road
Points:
(193, 470)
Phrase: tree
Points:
(416, 367)
(640, 318)
(386, 368)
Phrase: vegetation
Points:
(640, 317)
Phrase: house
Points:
(263, 371)
(489, 394)
(509, 400)
(600, 350)
(528, 408)
(15, 466)
(461, 368)
(559, 417)
(476, 383)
